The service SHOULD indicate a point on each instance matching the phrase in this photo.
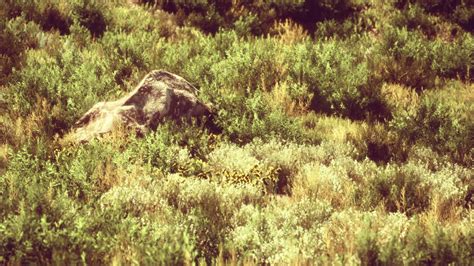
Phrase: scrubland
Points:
(347, 133)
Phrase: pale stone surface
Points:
(159, 95)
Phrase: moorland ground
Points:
(347, 133)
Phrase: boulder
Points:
(160, 95)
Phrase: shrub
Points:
(413, 17)
(209, 208)
(440, 124)
(464, 16)
(393, 238)
(56, 19)
(289, 159)
(411, 59)
(319, 181)
(339, 87)
(334, 94)
(419, 63)
(400, 189)
(334, 129)
(90, 14)
(267, 235)
(451, 61)
(43, 78)
(212, 15)
(259, 54)
(243, 119)
(16, 36)
(457, 11)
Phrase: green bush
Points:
(267, 235)
(244, 118)
(341, 84)
(400, 190)
(16, 36)
(43, 78)
(414, 17)
(440, 124)
(210, 16)
(90, 14)
(458, 11)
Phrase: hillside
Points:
(346, 133)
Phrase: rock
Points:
(160, 95)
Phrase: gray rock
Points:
(160, 95)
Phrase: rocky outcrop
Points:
(160, 95)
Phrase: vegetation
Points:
(348, 133)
